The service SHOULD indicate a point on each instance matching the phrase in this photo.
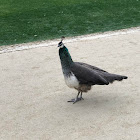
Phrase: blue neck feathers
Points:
(65, 58)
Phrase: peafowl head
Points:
(60, 44)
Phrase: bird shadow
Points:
(101, 101)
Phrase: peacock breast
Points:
(71, 80)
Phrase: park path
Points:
(33, 95)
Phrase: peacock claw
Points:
(76, 100)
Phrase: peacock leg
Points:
(77, 98)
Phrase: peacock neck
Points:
(65, 58)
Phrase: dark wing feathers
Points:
(90, 66)
(87, 76)
(112, 77)
(94, 75)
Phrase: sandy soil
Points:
(33, 95)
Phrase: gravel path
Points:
(33, 95)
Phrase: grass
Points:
(32, 20)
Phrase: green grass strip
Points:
(33, 20)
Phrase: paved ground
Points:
(33, 95)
